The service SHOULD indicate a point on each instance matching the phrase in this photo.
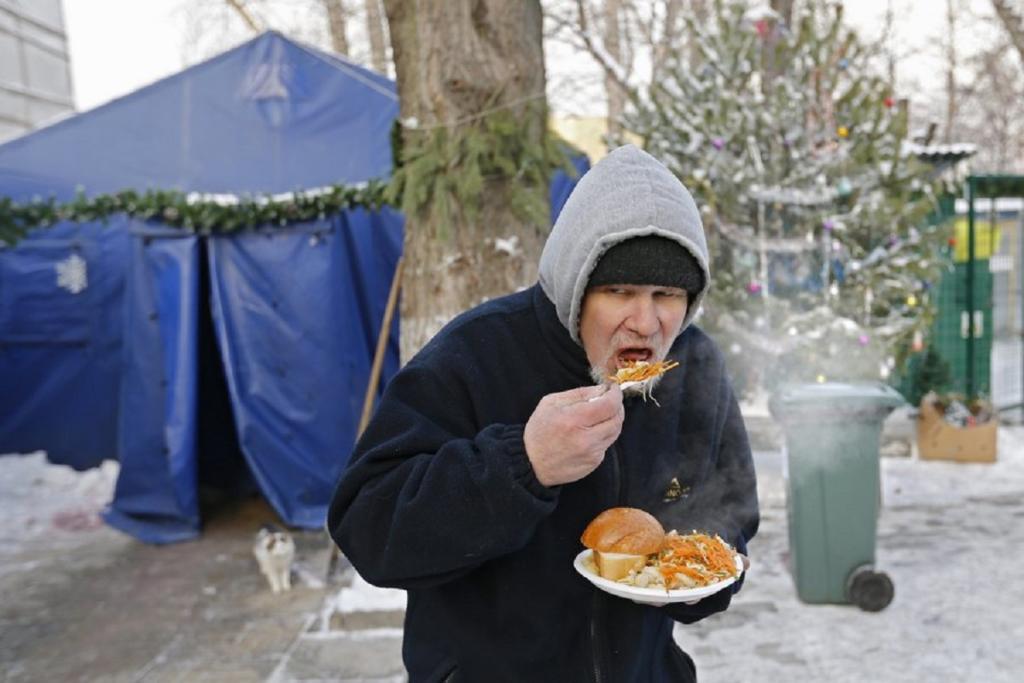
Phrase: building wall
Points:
(35, 74)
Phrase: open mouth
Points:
(632, 354)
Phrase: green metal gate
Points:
(983, 309)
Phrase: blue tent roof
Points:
(268, 116)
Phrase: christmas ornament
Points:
(863, 340)
(763, 27)
(754, 287)
(918, 342)
(843, 132)
(827, 224)
(888, 102)
(911, 300)
(844, 188)
(843, 63)
(820, 379)
(717, 143)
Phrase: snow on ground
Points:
(949, 536)
(42, 499)
(954, 615)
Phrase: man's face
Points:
(621, 323)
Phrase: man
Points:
(493, 449)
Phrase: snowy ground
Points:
(951, 537)
(49, 505)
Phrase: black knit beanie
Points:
(649, 260)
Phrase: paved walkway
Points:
(82, 602)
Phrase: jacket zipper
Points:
(596, 652)
(613, 452)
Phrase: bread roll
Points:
(621, 539)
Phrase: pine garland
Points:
(443, 170)
(200, 214)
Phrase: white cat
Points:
(274, 550)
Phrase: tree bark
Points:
(455, 61)
(337, 23)
(375, 31)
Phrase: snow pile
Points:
(41, 498)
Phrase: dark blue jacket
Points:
(440, 499)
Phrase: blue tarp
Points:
(237, 362)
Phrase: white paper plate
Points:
(652, 596)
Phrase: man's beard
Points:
(599, 374)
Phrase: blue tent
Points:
(223, 361)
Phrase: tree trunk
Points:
(375, 31)
(457, 60)
(337, 22)
(613, 91)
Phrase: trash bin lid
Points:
(839, 400)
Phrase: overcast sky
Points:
(118, 46)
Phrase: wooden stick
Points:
(371, 387)
(382, 343)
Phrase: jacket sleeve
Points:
(726, 503)
(428, 495)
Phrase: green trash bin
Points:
(833, 479)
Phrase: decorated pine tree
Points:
(816, 211)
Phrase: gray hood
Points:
(627, 194)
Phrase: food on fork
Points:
(641, 370)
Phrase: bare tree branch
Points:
(613, 91)
(1012, 22)
(612, 70)
(240, 9)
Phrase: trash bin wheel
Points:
(870, 590)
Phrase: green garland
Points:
(441, 172)
(204, 217)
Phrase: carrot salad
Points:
(686, 561)
(640, 370)
(695, 560)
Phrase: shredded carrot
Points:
(638, 371)
(704, 559)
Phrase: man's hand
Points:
(568, 432)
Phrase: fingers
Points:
(608, 431)
(598, 409)
(578, 394)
